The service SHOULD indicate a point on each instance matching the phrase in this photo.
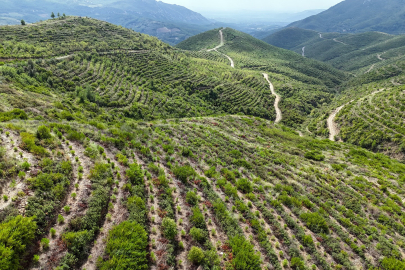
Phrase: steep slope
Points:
(302, 83)
(357, 53)
(353, 16)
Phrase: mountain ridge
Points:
(353, 16)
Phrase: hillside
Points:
(371, 115)
(354, 16)
(304, 84)
(357, 53)
(170, 23)
(118, 151)
(203, 187)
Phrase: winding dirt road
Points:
(371, 68)
(220, 45)
(333, 131)
(279, 116)
(303, 51)
(335, 40)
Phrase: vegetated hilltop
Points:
(138, 76)
(170, 23)
(356, 53)
(354, 16)
(304, 84)
(373, 112)
(90, 178)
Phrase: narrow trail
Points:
(279, 116)
(335, 40)
(320, 35)
(371, 68)
(333, 131)
(220, 45)
(303, 51)
(379, 57)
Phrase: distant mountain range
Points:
(353, 16)
(170, 23)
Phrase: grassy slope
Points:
(307, 201)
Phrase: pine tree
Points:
(22, 22)
(52, 15)
(58, 14)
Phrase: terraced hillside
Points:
(118, 159)
(372, 111)
(357, 53)
(303, 84)
(142, 78)
(185, 192)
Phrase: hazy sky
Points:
(262, 5)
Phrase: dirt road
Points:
(220, 45)
(279, 116)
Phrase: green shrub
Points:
(235, 154)
(242, 163)
(244, 254)
(135, 174)
(198, 235)
(61, 219)
(126, 248)
(35, 259)
(91, 151)
(196, 255)
(123, 160)
(392, 264)
(191, 198)
(169, 228)
(43, 133)
(315, 222)
(297, 263)
(314, 155)
(53, 232)
(28, 143)
(13, 114)
(307, 240)
(45, 243)
(186, 152)
(244, 185)
(137, 210)
(77, 242)
(197, 218)
(15, 235)
(183, 172)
